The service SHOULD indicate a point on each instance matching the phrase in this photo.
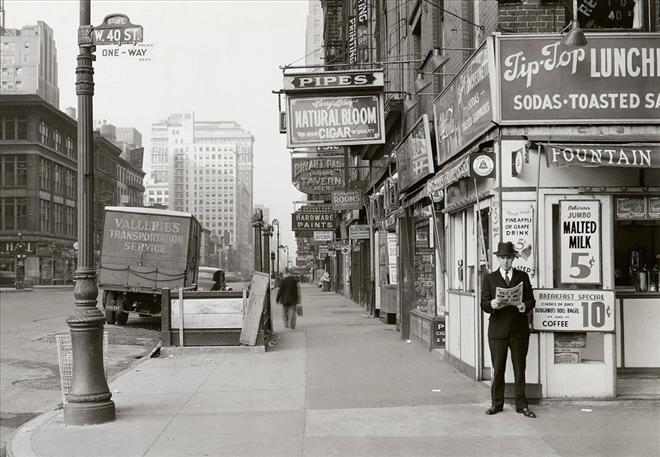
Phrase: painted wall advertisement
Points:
(615, 77)
(414, 156)
(580, 242)
(518, 227)
(464, 110)
(571, 310)
(335, 120)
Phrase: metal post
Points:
(90, 399)
(267, 233)
(257, 224)
(181, 316)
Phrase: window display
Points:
(611, 14)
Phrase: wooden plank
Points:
(255, 307)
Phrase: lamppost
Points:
(90, 399)
(257, 224)
(267, 233)
(276, 223)
(20, 262)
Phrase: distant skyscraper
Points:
(208, 168)
(314, 34)
(29, 62)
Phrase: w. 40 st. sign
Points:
(117, 29)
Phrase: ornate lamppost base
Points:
(89, 414)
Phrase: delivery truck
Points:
(145, 250)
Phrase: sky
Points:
(217, 58)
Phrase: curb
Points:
(21, 443)
(11, 290)
(187, 350)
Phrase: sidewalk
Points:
(341, 384)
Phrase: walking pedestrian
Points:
(508, 327)
(288, 295)
(219, 280)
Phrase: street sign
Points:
(117, 29)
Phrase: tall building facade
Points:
(28, 62)
(208, 168)
(38, 196)
(314, 34)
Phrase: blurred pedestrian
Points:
(288, 295)
(219, 280)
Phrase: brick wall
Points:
(532, 16)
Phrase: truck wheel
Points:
(108, 305)
(122, 317)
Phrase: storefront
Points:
(575, 185)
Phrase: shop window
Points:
(579, 347)
(637, 247)
(456, 264)
(612, 14)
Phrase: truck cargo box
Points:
(147, 249)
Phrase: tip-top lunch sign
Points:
(117, 29)
(614, 78)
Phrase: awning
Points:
(628, 155)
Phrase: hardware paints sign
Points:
(613, 78)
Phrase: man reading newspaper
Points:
(506, 294)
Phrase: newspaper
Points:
(511, 296)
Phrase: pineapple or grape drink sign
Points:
(518, 227)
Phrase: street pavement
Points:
(29, 372)
(341, 384)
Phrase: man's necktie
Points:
(507, 277)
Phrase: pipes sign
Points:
(571, 310)
(580, 242)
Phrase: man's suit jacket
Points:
(507, 321)
(288, 293)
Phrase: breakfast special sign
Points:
(614, 78)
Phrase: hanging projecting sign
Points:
(311, 222)
(332, 80)
(580, 243)
(603, 155)
(358, 232)
(335, 120)
(324, 236)
(413, 155)
(318, 175)
(614, 78)
(464, 109)
(571, 310)
(346, 200)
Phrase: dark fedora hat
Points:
(506, 250)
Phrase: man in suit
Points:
(508, 328)
(288, 295)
